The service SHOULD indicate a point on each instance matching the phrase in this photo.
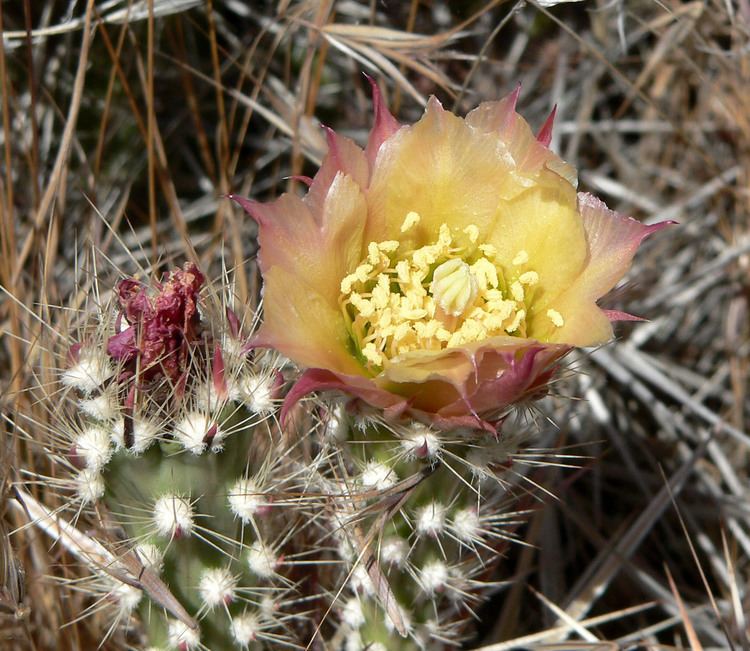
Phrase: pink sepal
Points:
(218, 374)
(253, 208)
(545, 133)
(384, 126)
(616, 315)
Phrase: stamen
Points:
(520, 316)
(521, 258)
(529, 278)
(516, 290)
(372, 355)
(411, 220)
(473, 232)
(432, 297)
(488, 250)
(556, 318)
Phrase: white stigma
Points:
(173, 516)
(453, 286)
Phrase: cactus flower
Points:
(441, 271)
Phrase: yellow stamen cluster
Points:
(441, 295)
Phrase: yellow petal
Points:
(500, 118)
(612, 241)
(585, 324)
(319, 249)
(343, 157)
(303, 325)
(544, 223)
(445, 171)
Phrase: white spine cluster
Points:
(352, 614)
(89, 373)
(466, 526)
(192, 431)
(245, 500)
(262, 560)
(360, 581)
(181, 636)
(144, 434)
(217, 587)
(378, 476)
(89, 486)
(173, 516)
(151, 556)
(245, 629)
(127, 598)
(393, 552)
(433, 577)
(102, 407)
(420, 442)
(256, 391)
(92, 445)
(430, 520)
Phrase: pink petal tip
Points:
(545, 133)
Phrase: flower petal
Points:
(384, 127)
(320, 252)
(321, 379)
(613, 240)
(489, 375)
(303, 325)
(506, 376)
(544, 222)
(344, 156)
(530, 153)
(442, 169)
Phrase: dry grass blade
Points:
(610, 561)
(695, 644)
(96, 556)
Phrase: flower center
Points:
(441, 295)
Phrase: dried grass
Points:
(127, 135)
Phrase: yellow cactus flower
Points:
(443, 270)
